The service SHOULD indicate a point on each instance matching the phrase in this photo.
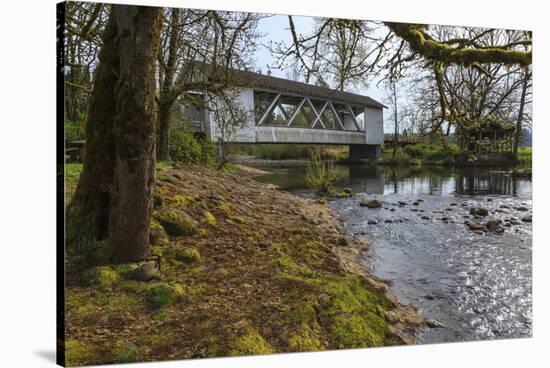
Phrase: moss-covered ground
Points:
(245, 269)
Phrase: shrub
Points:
(400, 158)
(320, 175)
(185, 147)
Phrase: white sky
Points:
(276, 29)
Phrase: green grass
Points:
(421, 154)
(287, 151)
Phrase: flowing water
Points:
(476, 284)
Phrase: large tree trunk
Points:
(519, 121)
(139, 33)
(88, 212)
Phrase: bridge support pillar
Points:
(364, 151)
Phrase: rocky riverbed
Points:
(464, 262)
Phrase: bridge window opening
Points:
(304, 117)
(273, 108)
(277, 116)
(262, 102)
(330, 120)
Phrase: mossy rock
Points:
(175, 222)
(157, 234)
(162, 295)
(250, 342)
(102, 276)
(209, 218)
(190, 256)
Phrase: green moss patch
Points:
(250, 342)
(161, 295)
(190, 256)
(102, 276)
(210, 218)
(157, 234)
(176, 222)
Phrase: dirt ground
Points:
(245, 269)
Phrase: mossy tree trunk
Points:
(88, 213)
(519, 121)
(139, 34)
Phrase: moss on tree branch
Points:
(434, 50)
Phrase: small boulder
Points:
(157, 234)
(176, 222)
(476, 227)
(372, 222)
(146, 271)
(479, 211)
(104, 277)
(494, 226)
(522, 208)
(432, 323)
(370, 203)
(528, 218)
(189, 256)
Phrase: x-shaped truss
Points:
(277, 103)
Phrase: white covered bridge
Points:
(286, 111)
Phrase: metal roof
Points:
(255, 80)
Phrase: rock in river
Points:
(528, 218)
(479, 211)
(476, 227)
(494, 226)
(372, 203)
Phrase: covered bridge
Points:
(286, 111)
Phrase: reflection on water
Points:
(410, 180)
(478, 285)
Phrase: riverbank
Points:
(245, 269)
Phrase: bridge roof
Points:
(255, 80)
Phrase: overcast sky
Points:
(276, 29)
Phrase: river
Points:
(476, 284)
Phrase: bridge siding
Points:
(251, 133)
